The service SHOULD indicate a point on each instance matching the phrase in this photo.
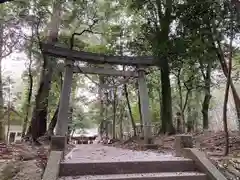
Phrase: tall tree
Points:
(10, 40)
(30, 82)
(210, 21)
(39, 115)
(156, 29)
(230, 55)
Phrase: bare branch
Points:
(89, 29)
(202, 69)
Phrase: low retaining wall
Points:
(203, 163)
(184, 148)
(53, 165)
(58, 146)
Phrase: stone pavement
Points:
(99, 162)
(98, 152)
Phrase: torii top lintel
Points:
(95, 58)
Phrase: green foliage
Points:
(177, 32)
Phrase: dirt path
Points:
(98, 152)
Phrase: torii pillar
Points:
(144, 100)
(59, 141)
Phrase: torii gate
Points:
(94, 58)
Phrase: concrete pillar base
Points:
(58, 143)
(181, 142)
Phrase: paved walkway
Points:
(98, 152)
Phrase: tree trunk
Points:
(207, 97)
(225, 125)
(190, 119)
(39, 117)
(30, 87)
(53, 122)
(114, 113)
(166, 114)
(160, 43)
(140, 129)
(106, 119)
(121, 123)
(130, 110)
(29, 97)
(101, 115)
(2, 128)
(234, 92)
(9, 107)
(139, 109)
(225, 69)
(160, 104)
(182, 105)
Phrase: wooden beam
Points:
(95, 58)
(100, 71)
(105, 71)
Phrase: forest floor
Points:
(211, 143)
(22, 161)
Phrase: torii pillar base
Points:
(182, 141)
(58, 143)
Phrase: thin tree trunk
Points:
(30, 87)
(181, 123)
(53, 122)
(121, 123)
(189, 110)
(160, 104)
(225, 69)
(8, 123)
(101, 115)
(234, 92)
(9, 107)
(139, 109)
(225, 124)
(207, 97)
(130, 110)
(106, 120)
(180, 93)
(28, 105)
(2, 128)
(114, 114)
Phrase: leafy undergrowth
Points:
(23, 161)
(209, 142)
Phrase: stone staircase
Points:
(168, 169)
(97, 162)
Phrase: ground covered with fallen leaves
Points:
(210, 142)
(23, 161)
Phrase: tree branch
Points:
(89, 29)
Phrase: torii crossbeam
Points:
(97, 58)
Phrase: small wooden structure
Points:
(94, 58)
(84, 139)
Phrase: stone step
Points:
(146, 176)
(127, 167)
